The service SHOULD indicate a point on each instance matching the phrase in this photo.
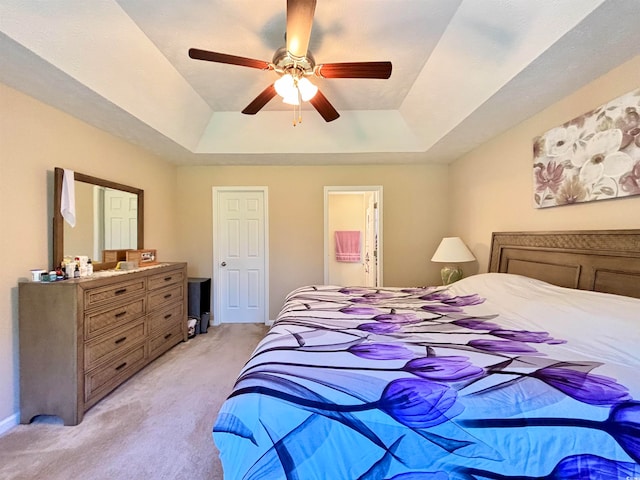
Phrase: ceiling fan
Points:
(294, 63)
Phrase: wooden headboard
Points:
(601, 260)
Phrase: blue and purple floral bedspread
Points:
(434, 383)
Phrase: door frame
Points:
(352, 189)
(216, 254)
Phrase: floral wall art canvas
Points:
(595, 156)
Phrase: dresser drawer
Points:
(101, 381)
(163, 342)
(97, 296)
(103, 321)
(165, 319)
(112, 345)
(161, 280)
(160, 298)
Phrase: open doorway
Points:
(354, 213)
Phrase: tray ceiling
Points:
(463, 72)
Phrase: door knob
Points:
(223, 264)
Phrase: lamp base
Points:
(450, 274)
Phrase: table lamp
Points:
(452, 250)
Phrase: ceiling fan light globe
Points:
(307, 89)
(284, 85)
(292, 97)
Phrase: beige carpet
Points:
(155, 426)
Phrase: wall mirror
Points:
(109, 216)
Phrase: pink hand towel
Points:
(348, 246)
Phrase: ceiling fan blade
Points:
(299, 23)
(260, 101)
(230, 59)
(354, 70)
(324, 108)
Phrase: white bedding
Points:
(601, 326)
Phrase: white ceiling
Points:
(463, 71)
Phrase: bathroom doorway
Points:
(353, 213)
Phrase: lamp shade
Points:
(284, 85)
(307, 89)
(292, 97)
(452, 250)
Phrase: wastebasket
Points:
(204, 322)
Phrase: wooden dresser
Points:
(81, 338)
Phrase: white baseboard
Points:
(8, 423)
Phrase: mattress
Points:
(497, 376)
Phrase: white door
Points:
(120, 219)
(240, 254)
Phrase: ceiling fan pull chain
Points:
(299, 112)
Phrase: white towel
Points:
(68, 201)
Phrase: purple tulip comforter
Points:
(494, 377)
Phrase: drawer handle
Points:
(120, 340)
(168, 316)
(121, 366)
(168, 295)
(167, 335)
(167, 279)
(121, 291)
(121, 314)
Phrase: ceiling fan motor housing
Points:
(285, 62)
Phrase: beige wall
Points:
(35, 138)
(492, 185)
(414, 218)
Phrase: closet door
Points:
(240, 255)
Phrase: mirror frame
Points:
(58, 220)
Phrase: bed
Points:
(529, 371)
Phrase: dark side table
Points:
(199, 301)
